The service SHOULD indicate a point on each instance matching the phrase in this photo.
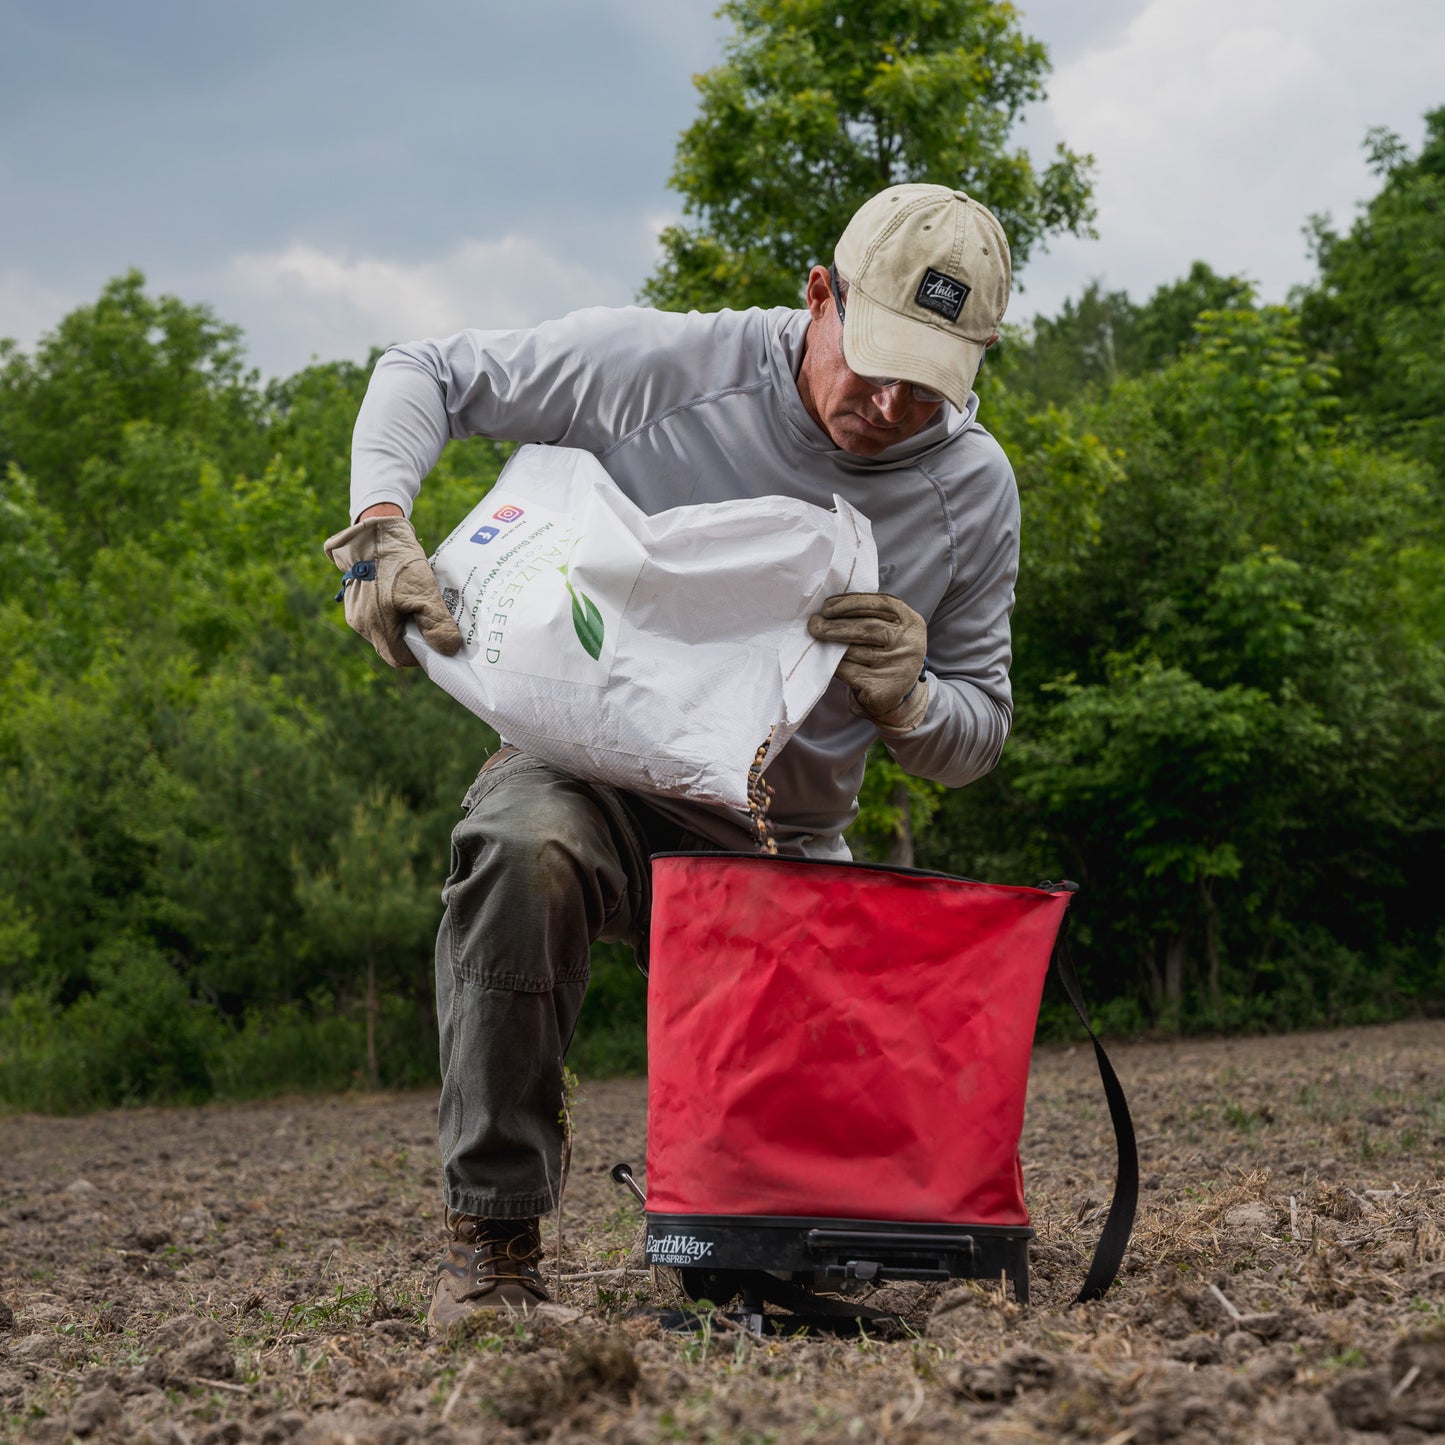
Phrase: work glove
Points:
(385, 580)
(886, 641)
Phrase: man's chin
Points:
(861, 439)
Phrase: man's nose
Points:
(893, 400)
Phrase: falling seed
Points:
(760, 796)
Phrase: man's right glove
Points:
(386, 580)
(886, 641)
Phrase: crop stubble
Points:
(257, 1272)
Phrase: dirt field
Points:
(258, 1273)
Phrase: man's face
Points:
(861, 418)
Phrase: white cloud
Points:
(1220, 126)
(30, 307)
(303, 301)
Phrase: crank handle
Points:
(622, 1174)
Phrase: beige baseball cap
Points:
(928, 278)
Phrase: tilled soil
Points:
(259, 1273)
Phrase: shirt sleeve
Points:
(970, 707)
(547, 384)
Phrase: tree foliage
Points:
(1228, 690)
(185, 722)
(221, 817)
(817, 106)
(110, 413)
(1104, 336)
(1378, 308)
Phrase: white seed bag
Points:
(657, 652)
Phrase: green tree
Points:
(368, 906)
(1169, 320)
(819, 104)
(184, 716)
(130, 358)
(1378, 308)
(1087, 346)
(1227, 693)
(1104, 336)
(893, 808)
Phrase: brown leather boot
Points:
(490, 1264)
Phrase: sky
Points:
(331, 176)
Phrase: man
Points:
(867, 393)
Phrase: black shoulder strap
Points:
(1119, 1223)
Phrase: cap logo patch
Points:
(940, 293)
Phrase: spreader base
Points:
(830, 1253)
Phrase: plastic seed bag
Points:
(655, 653)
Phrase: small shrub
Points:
(138, 1035)
(611, 1037)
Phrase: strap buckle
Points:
(357, 572)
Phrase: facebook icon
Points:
(483, 535)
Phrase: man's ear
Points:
(819, 293)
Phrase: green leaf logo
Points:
(587, 623)
(586, 619)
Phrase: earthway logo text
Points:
(677, 1249)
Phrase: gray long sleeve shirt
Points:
(705, 408)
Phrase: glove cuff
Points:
(899, 719)
(345, 546)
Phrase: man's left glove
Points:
(387, 580)
(886, 641)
